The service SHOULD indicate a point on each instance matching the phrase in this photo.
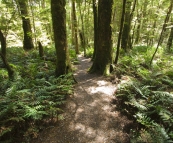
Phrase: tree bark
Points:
(120, 33)
(3, 44)
(41, 50)
(74, 27)
(82, 32)
(138, 30)
(3, 56)
(95, 15)
(169, 43)
(59, 26)
(103, 57)
(126, 27)
(165, 22)
(33, 21)
(27, 42)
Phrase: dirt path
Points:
(89, 115)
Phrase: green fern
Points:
(34, 113)
(144, 119)
(26, 102)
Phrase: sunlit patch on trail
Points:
(103, 88)
(80, 127)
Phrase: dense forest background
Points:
(131, 40)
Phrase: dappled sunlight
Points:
(78, 111)
(99, 86)
(90, 117)
(84, 60)
(90, 132)
(94, 120)
(103, 89)
(101, 82)
(80, 127)
(106, 108)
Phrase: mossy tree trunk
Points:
(103, 57)
(126, 27)
(3, 56)
(59, 27)
(27, 41)
(95, 15)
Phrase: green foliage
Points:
(147, 96)
(33, 98)
(89, 52)
(73, 56)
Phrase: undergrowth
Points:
(89, 52)
(33, 99)
(145, 94)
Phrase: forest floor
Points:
(90, 115)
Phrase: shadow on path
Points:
(89, 115)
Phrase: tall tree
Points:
(163, 30)
(95, 15)
(126, 27)
(103, 56)
(169, 43)
(33, 19)
(74, 27)
(58, 12)
(27, 42)
(120, 33)
(3, 55)
(82, 32)
(126, 36)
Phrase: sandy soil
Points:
(89, 115)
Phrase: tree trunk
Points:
(82, 32)
(27, 42)
(130, 39)
(126, 27)
(95, 15)
(120, 33)
(3, 56)
(33, 21)
(74, 27)
(166, 21)
(138, 30)
(169, 43)
(59, 26)
(103, 57)
(163, 29)
(3, 44)
(41, 50)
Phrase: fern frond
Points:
(144, 119)
(4, 130)
(160, 135)
(166, 116)
(139, 105)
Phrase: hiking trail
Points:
(89, 115)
